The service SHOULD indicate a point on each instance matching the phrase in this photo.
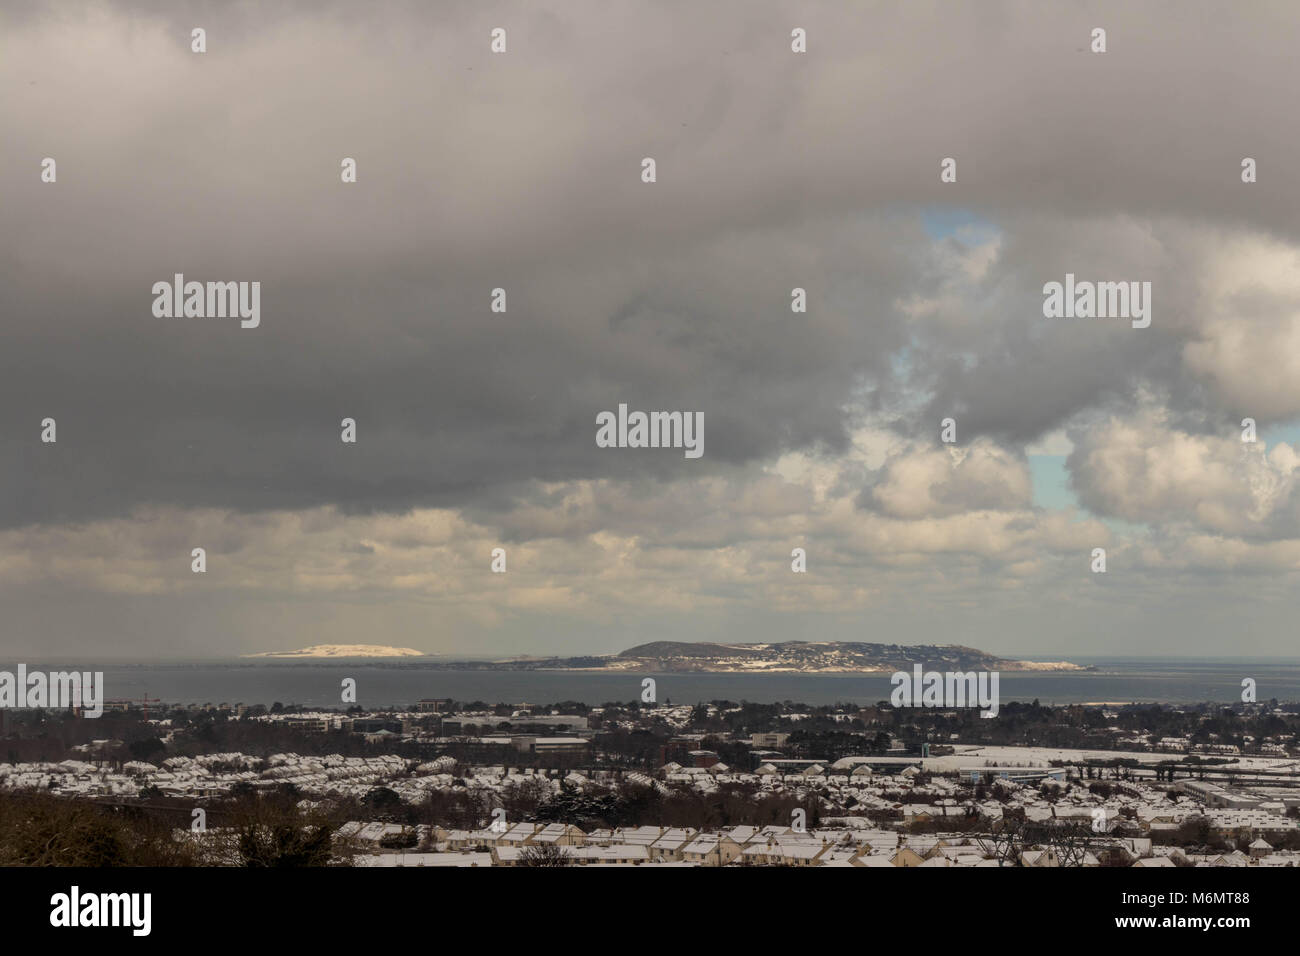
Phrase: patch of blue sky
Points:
(1050, 480)
(943, 222)
(1272, 434)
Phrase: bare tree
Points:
(1069, 841)
(545, 854)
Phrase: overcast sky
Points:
(775, 170)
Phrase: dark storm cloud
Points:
(521, 171)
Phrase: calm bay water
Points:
(318, 683)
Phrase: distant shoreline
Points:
(402, 681)
(788, 657)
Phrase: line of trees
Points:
(257, 830)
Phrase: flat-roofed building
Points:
(572, 746)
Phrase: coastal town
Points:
(445, 784)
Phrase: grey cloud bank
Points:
(521, 171)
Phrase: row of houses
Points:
(771, 846)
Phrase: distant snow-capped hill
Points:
(788, 657)
(344, 650)
(807, 657)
